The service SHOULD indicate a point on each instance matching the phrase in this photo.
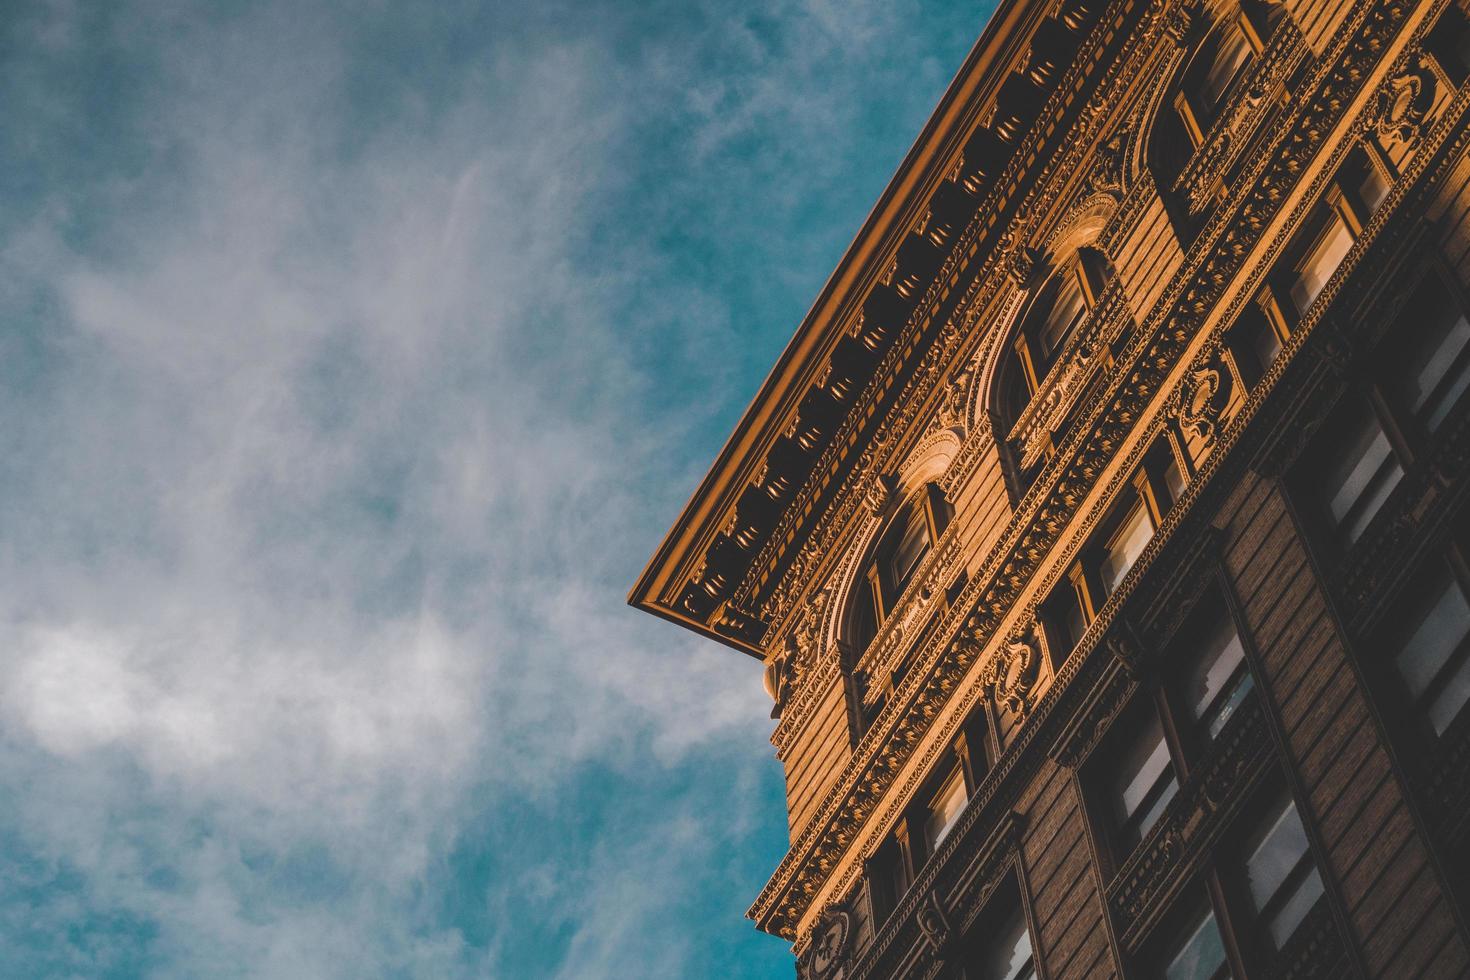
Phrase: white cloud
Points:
(318, 507)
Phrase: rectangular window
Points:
(998, 945)
(1321, 259)
(1215, 678)
(1137, 776)
(1352, 468)
(1200, 954)
(1431, 369)
(1282, 882)
(944, 809)
(1430, 648)
(1134, 533)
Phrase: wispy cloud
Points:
(354, 360)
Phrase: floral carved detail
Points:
(826, 958)
(880, 494)
(1019, 261)
(1401, 111)
(953, 402)
(788, 669)
(1110, 167)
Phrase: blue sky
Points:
(354, 359)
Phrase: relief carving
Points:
(880, 494)
(827, 956)
(1011, 675)
(934, 923)
(1201, 399)
(1402, 109)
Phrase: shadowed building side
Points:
(1103, 531)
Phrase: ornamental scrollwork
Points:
(1011, 674)
(1200, 401)
(880, 494)
(933, 923)
(1402, 108)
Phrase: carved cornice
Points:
(1215, 258)
(955, 330)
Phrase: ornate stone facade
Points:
(1078, 416)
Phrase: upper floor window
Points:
(1258, 889)
(1386, 424)
(1062, 305)
(1193, 948)
(1114, 548)
(931, 817)
(998, 945)
(1331, 230)
(1428, 640)
(893, 563)
(1136, 779)
(1205, 679)
(1223, 59)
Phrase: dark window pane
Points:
(1066, 312)
(1321, 261)
(1435, 369)
(1202, 955)
(1123, 549)
(1357, 471)
(1143, 781)
(1283, 884)
(1431, 659)
(948, 804)
(1005, 954)
(909, 551)
(1217, 680)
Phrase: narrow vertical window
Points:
(1432, 369)
(1200, 954)
(998, 945)
(1353, 468)
(1431, 649)
(1282, 881)
(1137, 776)
(1216, 678)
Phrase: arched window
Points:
(1222, 61)
(1062, 304)
(891, 566)
(1229, 40)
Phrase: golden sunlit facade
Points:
(1102, 530)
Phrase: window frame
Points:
(906, 851)
(1084, 591)
(1385, 642)
(1198, 111)
(1220, 889)
(1372, 387)
(879, 589)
